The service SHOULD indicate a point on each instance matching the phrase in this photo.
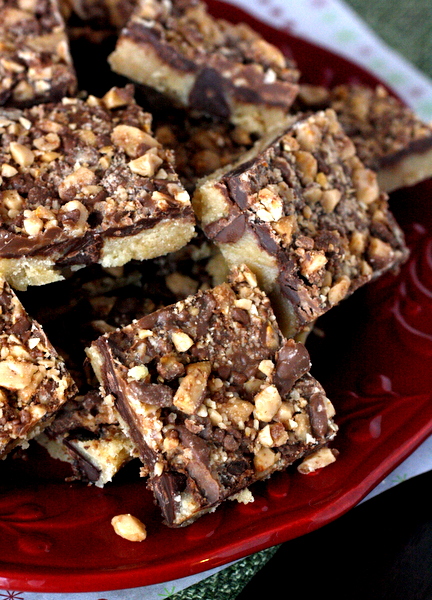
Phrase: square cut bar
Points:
(388, 136)
(34, 382)
(211, 66)
(82, 183)
(213, 396)
(305, 215)
(86, 434)
(35, 63)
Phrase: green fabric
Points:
(404, 25)
(228, 583)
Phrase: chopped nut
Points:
(312, 262)
(358, 242)
(16, 375)
(21, 154)
(23, 91)
(8, 170)
(132, 140)
(339, 290)
(191, 391)
(285, 228)
(313, 95)
(181, 285)
(302, 428)
(271, 338)
(237, 410)
(273, 207)
(380, 253)
(147, 164)
(307, 165)
(265, 438)
(366, 185)
(244, 303)
(87, 136)
(79, 178)
(116, 97)
(244, 496)
(11, 199)
(32, 224)
(308, 136)
(321, 179)
(271, 54)
(317, 460)
(267, 403)
(138, 373)
(285, 414)
(264, 460)
(48, 142)
(78, 223)
(329, 199)
(266, 367)
(129, 527)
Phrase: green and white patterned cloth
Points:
(407, 30)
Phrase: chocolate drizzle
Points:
(292, 363)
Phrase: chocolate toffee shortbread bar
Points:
(213, 396)
(35, 63)
(34, 382)
(201, 146)
(85, 182)
(211, 66)
(388, 136)
(305, 215)
(86, 434)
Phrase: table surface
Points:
(380, 550)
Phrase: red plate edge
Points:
(55, 580)
(368, 475)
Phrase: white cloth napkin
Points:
(333, 25)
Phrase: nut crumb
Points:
(129, 527)
(244, 496)
(317, 460)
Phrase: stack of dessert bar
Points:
(177, 260)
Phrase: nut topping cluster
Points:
(34, 382)
(212, 395)
(76, 176)
(35, 63)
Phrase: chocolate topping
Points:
(318, 415)
(85, 470)
(198, 466)
(292, 363)
(150, 393)
(143, 34)
(207, 94)
(165, 488)
(226, 230)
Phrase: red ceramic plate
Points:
(374, 357)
